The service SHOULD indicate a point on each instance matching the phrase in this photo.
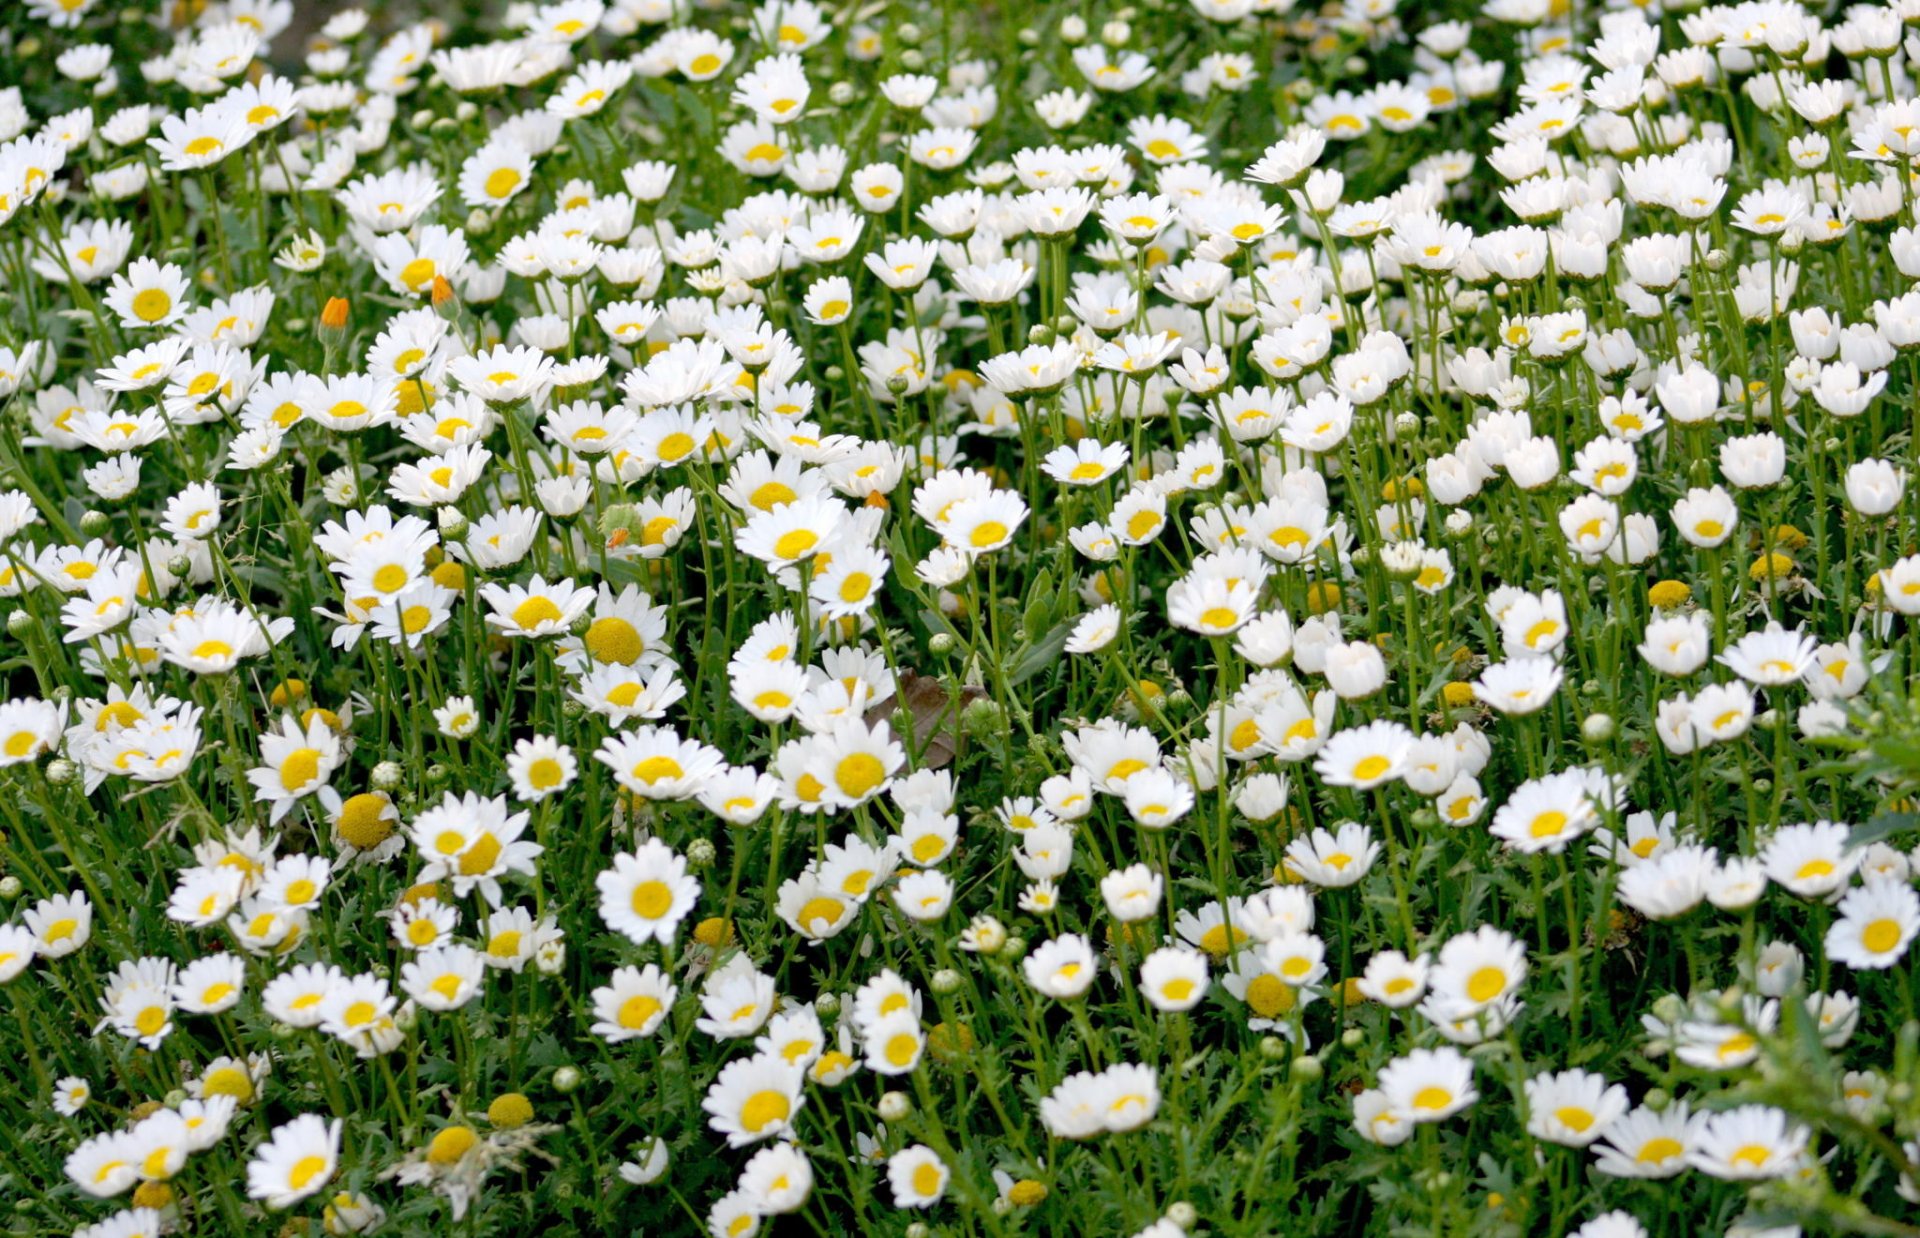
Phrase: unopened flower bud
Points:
(566, 1080)
(10, 887)
(453, 523)
(1116, 34)
(95, 523)
(20, 623)
(700, 853)
(840, 93)
(333, 322)
(1597, 728)
(1183, 1214)
(946, 980)
(387, 776)
(61, 771)
(894, 1106)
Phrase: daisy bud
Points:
(1657, 1100)
(9, 888)
(700, 853)
(827, 1003)
(453, 523)
(479, 223)
(1353, 1038)
(894, 1106)
(983, 719)
(1718, 259)
(1597, 728)
(566, 1080)
(1273, 1048)
(444, 126)
(60, 771)
(179, 565)
(387, 776)
(946, 980)
(95, 523)
(1040, 333)
(840, 94)
(1791, 243)
(422, 118)
(1182, 1213)
(21, 622)
(908, 33)
(940, 643)
(1307, 1068)
(1116, 34)
(918, 1229)
(1073, 29)
(913, 60)
(333, 322)
(1028, 36)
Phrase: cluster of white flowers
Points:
(1211, 576)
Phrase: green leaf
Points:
(1041, 654)
(1882, 827)
(1040, 609)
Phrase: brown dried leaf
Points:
(936, 715)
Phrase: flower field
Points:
(1217, 617)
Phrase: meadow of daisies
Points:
(1229, 617)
